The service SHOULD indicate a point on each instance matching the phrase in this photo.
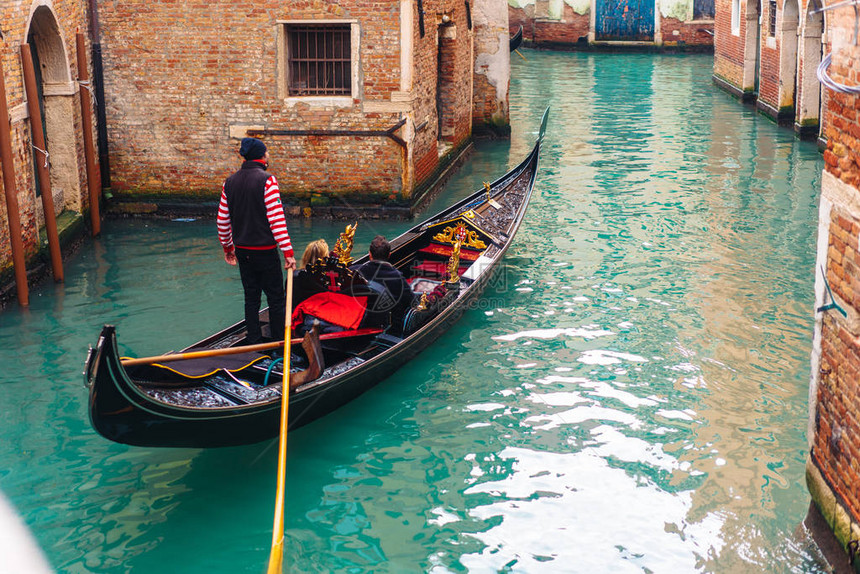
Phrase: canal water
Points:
(629, 396)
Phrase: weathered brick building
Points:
(764, 52)
(50, 28)
(686, 24)
(360, 103)
(833, 468)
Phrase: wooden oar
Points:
(276, 556)
(242, 349)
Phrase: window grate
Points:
(772, 18)
(320, 60)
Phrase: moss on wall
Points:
(681, 10)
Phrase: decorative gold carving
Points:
(343, 247)
(487, 187)
(454, 265)
(458, 232)
(422, 304)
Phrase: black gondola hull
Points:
(123, 409)
(127, 416)
(516, 40)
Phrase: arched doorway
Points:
(446, 86)
(56, 100)
(752, 49)
(808, 118)
(788, 59)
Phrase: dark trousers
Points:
(261, 272)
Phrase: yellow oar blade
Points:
(276, 557)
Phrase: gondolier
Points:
(251, 229)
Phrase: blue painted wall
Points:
(624, 20)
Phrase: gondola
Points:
(517, 39)
(235, 399)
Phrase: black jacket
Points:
(385, 274)
(245, 192)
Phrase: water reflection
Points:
(630, 396)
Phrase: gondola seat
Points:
(448, 250)
(434, 269)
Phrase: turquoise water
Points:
(629, 397)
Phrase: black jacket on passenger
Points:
(388, 276)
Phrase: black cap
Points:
(252, 148)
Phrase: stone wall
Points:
(492, 68)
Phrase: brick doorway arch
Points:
(445, 86)
(56, 101)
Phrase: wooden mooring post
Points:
(37, 135)
(11, 193)
(93, 181)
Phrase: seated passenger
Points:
(303, 284)
(393, 293)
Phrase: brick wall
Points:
(677, 32)
(768, 85)
(833, 472)
(69, 16)
(457, 102)
(728, 47)
(175, 86)
(571, 29)
(177, 92)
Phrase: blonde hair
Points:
(315, 250)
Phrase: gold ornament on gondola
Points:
(343, 247)
(454, 265)
(468, 238)
(423, 303)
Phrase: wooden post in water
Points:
(11, 192)
(93, 183)
(38, 139)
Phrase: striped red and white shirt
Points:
(274, 214)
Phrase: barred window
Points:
(319, 60)
(771, 31)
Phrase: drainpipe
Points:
(87, 125)
(37, 136)
(11, 193)
(99, 86)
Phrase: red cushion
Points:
(438, 268)
(447, 250)
(336, 308)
